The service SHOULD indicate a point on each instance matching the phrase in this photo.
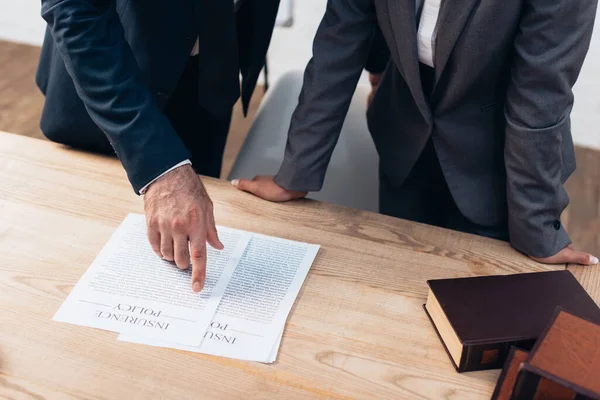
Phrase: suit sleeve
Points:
(90, 39)
(549, 49)
(340, 52)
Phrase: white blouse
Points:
(427, 31)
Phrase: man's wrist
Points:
(144, 189)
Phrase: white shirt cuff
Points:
(184, 162)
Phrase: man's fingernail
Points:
(235, 182)
(593, 260)
(196, 287)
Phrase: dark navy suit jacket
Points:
(112, 64)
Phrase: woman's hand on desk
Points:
(266, 188)
(569, 255)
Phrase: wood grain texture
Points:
(357, 329)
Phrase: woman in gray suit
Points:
(470, 119)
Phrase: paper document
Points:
(129, 289)
(249, 320)
(228, 347)
(250, 288)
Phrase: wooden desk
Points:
(357, 330)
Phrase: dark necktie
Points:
(217, 55)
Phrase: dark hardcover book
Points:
(508, 377)
(564, 363)
(478, 319)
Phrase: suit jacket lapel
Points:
(454, 16)
(402, 15)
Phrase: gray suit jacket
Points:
(498, 114)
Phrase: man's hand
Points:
(375, 80)
(569, 255)
(266, 188)
(178, 211)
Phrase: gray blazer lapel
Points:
(402, 15)
(454, 15)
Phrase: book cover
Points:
(565, 361)
(508, 377)
(478, 319)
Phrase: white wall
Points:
(291, 49)
(20, 21)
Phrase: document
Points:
(250, 288)
(129, 289)
(249, 321)
(225, 347)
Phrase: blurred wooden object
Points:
(582, 217)
(20, 99)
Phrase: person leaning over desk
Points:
(470, 118)
(155, 82)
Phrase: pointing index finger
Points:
(198, 258)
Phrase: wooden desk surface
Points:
(357, 330)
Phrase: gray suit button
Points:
(556, 224)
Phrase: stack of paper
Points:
(250, 288)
